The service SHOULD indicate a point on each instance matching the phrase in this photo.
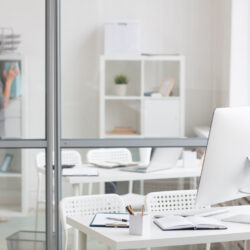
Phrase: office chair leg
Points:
(130, 187)
(65, 240)
(75, 239)
(36, 218)
(208, 245)
(90, 188)
(245, 244)
(142, 187)
(38, 191)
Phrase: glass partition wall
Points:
(142, 77)
(138, 75)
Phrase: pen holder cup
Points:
(139, 225)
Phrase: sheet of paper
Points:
(79, 171)
(102, 219)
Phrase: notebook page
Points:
(173, 222)
(206, 223)
(78, 171)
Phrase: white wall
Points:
(168, 26)
(240, 54)
(221, 23)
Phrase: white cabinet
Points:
(136, 114)
(165, 115)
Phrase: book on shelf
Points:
(176, 222)
(6, 163)
(153, 94)
(122, 131)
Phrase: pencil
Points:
(128, 209)
(117, 219)
(142, 210)
(131, 209)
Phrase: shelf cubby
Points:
(131, 69)
(156, 71)
(122, 114)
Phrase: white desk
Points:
(110, 175)
(119, 238)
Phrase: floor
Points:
(18, 224)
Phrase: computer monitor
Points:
(226, 169)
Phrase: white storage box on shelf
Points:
(122, 38)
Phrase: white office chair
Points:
(70, 157)
(88, 205)
(180, 200)
(119, 155)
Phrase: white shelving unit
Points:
(147, 116)
(13, 185)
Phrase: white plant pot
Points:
(121, 89)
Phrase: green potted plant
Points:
(121, 82)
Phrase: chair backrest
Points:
(68, 157)
(110, 154)
(89, 205)
(171, 201)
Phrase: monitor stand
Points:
(241, 218)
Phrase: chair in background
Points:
(180, 200)
(88, 205)
(118, 155)
(69, 157)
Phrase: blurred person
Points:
(5, 88)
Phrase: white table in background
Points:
(113, 175)
(116, 175)
(119, 238)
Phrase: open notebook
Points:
(175, 222)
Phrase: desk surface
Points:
(119, 238)
(106, 175)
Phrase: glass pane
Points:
(22, 89)
(22, 195)
(135, 73)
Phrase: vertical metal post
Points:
(57, 123)
(49, 122)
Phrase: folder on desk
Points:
(105, 220)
